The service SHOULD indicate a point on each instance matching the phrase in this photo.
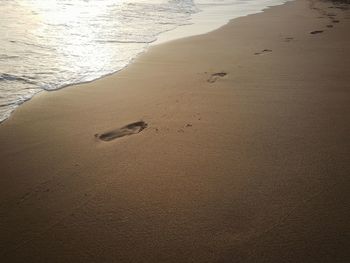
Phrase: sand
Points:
(227, 147)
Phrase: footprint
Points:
(335, 21)
(130, 129)
(316, 32)
(214, 77)
(263, 51)
(288, 39)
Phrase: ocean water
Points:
(49, 44)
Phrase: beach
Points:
(232, 146)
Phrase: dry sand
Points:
(248, 166)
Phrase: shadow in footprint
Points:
(316, 32)
(130, 129)
(214, 77)
(263, 51)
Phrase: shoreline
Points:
(198, 27)
(228, 146)
(201, 26)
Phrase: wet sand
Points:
(227, 147)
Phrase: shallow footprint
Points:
(316, 32)
(214, 77)
(130, 129)
(263, 51)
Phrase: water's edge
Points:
(200, 26)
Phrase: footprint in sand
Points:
(130, 129)
(214, 77)
(316, 32)
(263, 52)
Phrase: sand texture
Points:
(227, 147)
